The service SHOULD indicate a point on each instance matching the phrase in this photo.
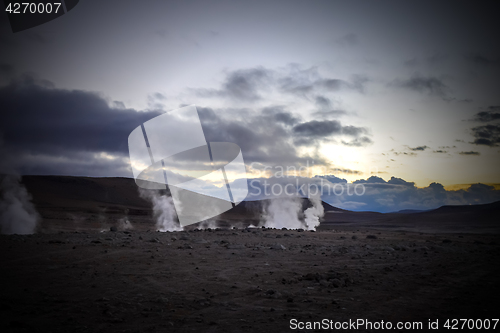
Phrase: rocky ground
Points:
(242, 280)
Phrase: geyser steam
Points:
(163, 210)
(286, 213)
(283, 213)
(314, 213)
(17, 214)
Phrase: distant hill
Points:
(93, 194)
(60, 199)
(467, 209)
(410, 211)
(111, 193)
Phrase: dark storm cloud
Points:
(159, 96)
(155, 101)
(354, 131)
(440, 151)
(348, 171)
(358, 142)
(313, 131)
(404, 153)
(357, 84)
(330, 113)
(487, 116)
(324, 105)
(326, 128)
(428, 85)
(399, 181)
(49, 119)
(65, 125)
(52, 130)
(271, 135)
(333, 179)
(371, 180)
(250, 84)
(241, 85)
(265, 135)
(397, 194)
(323, 102)
(318, 129)
(419, 148)
(336, 172)
(280, 115)
(491, 113)
(474, 153)
(286, 118)
(383, 196)
(71, 163)
(488, 135)
(118, 105)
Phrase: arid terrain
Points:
(76, 275)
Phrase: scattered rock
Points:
(312, 277)
(371, 237)
(337, 283)
(278, 246)
(324, 283)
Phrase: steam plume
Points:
(283, 213)
(164, 210)
(17, 214)
(124, 224)
(314, 213)
(211, 223)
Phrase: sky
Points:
(402, 96)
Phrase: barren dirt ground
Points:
(242, 280)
